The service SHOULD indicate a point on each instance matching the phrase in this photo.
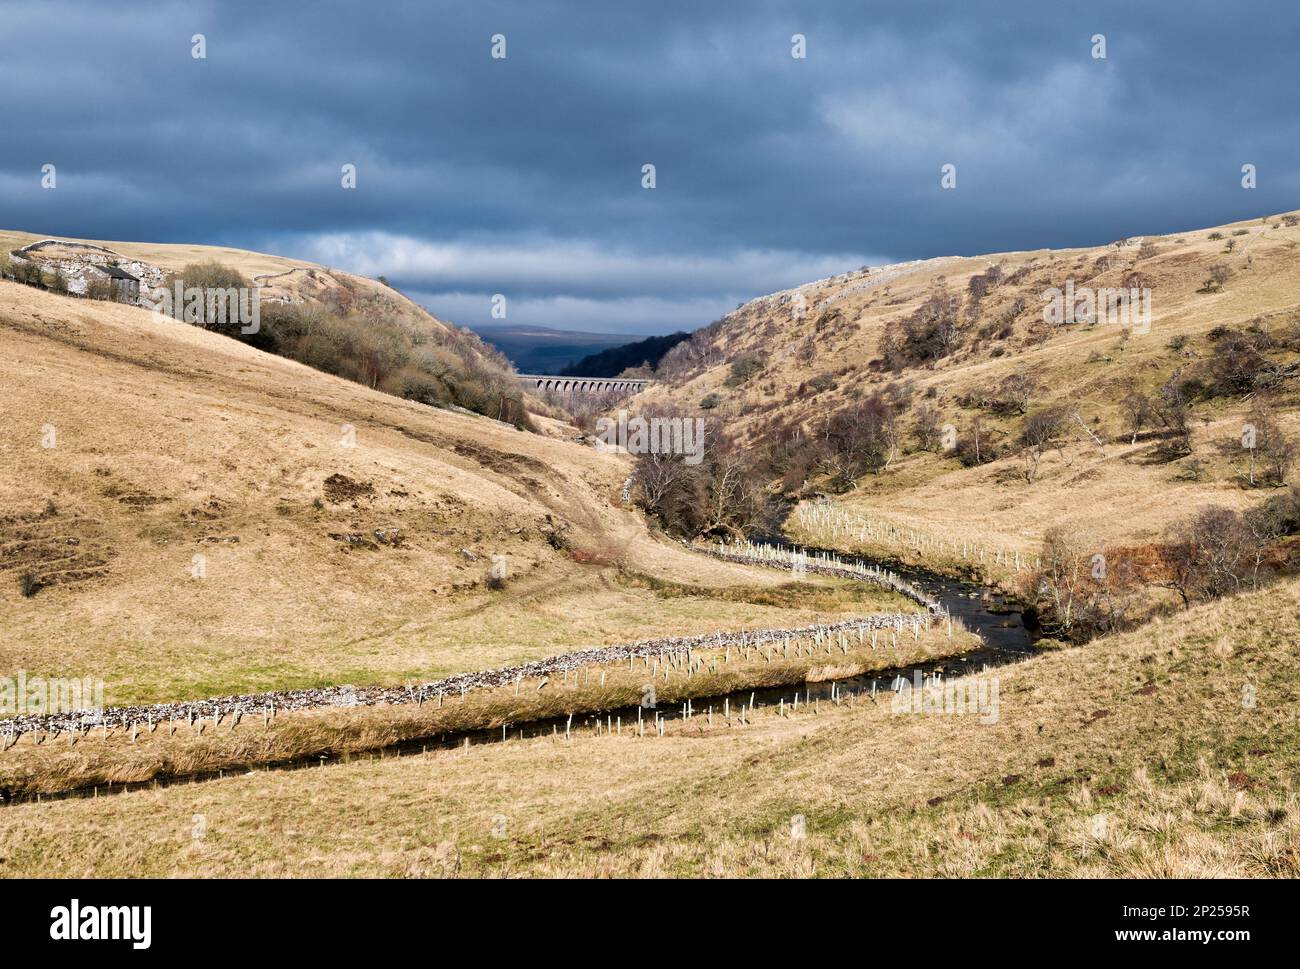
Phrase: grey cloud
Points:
(522, 176)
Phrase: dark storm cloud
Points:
(522, 176)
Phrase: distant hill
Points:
(539, 349)
(612, 362)
(357, 328)
(951, 342)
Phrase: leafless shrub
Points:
(1062, 572)
(862, 438)
(1015, 393)
(822, 383)
(898, 394)
(212, 278)
(744, 367)
(557, 535)
(1219, 275)
(1002, 323)
(1106, 262)
(1236, 365)
(981, 284)
(1273, 450)
(100, 287)
(1136, 411)
(830, 318)
(1211, 554)
(691, 357)
(930, 333)
(1081, 591)
(26, 271)
(440, 368)
(1041, 433)
(1172, 407)
(721, 494)
(926, 425)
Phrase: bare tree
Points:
(931, 332)
(1076, 415)
(976, 446)
(1220, 273)
(731, 497)
(926, 425)
(1041, 433)
(1266, 526)
(1276, 450)
(659, 477)
(1016, 391)
(1173, 408)
(1064, 570)
(863, 437)
(715, 490)
(1209, 555)
(1136, 409)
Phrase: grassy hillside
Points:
(347, 325)
(780, 368)
(1166, 752)
(200, 518)
(280, 278)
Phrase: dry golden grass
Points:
(1134, 756)
(173, 442)
(48, 764)
(1167, 750)
(1122, 493)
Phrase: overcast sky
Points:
(523, 175)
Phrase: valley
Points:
(204, 520)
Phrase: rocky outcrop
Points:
(73, 260)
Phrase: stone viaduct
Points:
(590, 386)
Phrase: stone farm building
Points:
(126, 288)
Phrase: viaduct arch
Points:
(541, 383)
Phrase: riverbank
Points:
(199, 739)
(647, 676)
(1134, 756)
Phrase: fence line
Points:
(822, 562)
(828, 523)
(214, 710)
